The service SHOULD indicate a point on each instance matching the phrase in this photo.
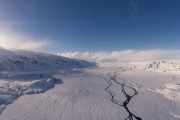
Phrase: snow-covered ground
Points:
(24, 72)
(109, 91)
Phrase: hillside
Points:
(157, 66)
(33, 61)
(25, 72)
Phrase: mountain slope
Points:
(33, 61)
(157, 66)
(25, 72)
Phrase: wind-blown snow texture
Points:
(25, 72)
(147, 90)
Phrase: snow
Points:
(173, 86)
(171, 92)
(4, 52)
(109, 91)
(6, 99)
(161, 66)
(82, 96)
(33, 61)
(25, 72)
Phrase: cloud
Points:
(10, 39)
(126, 55)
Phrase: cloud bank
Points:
(10, 39)
(126, 55)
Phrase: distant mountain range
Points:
(158, 65)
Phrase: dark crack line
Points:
(131, 116)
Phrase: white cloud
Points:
(126, 55)
(11, 39)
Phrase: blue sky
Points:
(95, 25)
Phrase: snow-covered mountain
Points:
(26, 72)
(4, 52)
(157, 66)
(32, 61)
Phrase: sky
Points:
(90, 25)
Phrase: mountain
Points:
(4, 52)
(22, 60)
(158, 66)
(25, 72)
